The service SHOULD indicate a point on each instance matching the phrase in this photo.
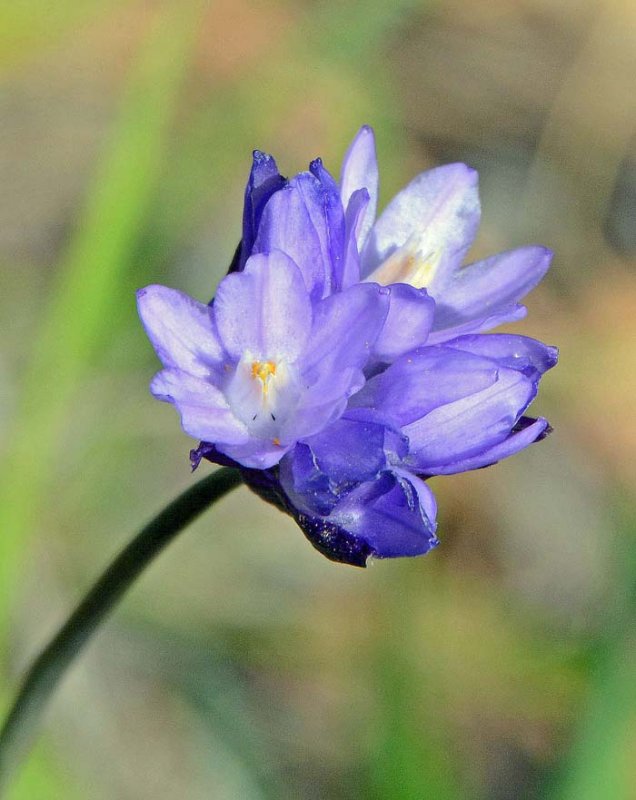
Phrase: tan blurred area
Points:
(244, 665)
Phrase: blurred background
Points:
(243, 664)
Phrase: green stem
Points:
(20, 727)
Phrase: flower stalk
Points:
(21, 725)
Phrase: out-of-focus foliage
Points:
(502, 665)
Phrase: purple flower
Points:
(263, 367)
(343, 361)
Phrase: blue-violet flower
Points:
(343, 359)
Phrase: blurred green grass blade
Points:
(42, 777)
(411, 758)
(410, 762)
(76, 316)
(601, 762)
(603, 756)
(210, 678)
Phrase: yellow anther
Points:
(263, 370)
(276, 441)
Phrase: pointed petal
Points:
(390, 514)
(407, 324)
(360, 171)
(420, 382)
(263, 182)
(486, 287)
(522, 353)
(265, 310)
(422, 236)
(322, 405)
(286, 226)
(256, 453)
(349, 451)
(181, 330)
(469, 426)
(522, 435)
(205, 413)
(512, 313)
(329, 220)
(356, 210)
(306, 221)
(344, 331)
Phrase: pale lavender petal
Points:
(420, 382)
(512, 313)
(468, 426)
(360, 171)
(520, 438)
(181, 330)
(423, 235)
(286, 225)
(407, 324)
(327, 213)
(356, 208)
(205, 413)
(265, 310)
(322, 405)
(486, 287)
(344, 331)
(522, 353)
(256, 453)
(305, 219)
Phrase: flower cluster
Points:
(343, 359)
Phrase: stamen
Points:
(263, 370)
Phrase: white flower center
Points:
(263, 393)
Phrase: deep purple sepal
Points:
(334, 542)
(525, 422)
(264, 181)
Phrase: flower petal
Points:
(469, 426)
(306, 221)
(360, 171)
(526, 432)
(263, 182)
(205, 413)
(345, 328)
(522, 353)
(181, 330)
(512, 313)
(265, 310)
(407, 324)
(390, 514)
(255, 453)
(349, 452)
(356, 210)
(421, 381)
(323, 405)
(425, 231)
(328, 217)
(485, 287)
